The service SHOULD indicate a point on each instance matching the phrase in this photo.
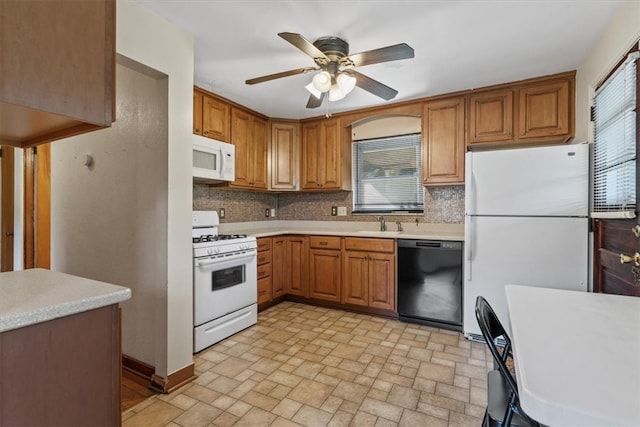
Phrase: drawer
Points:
(324, 242)
(264, 290)
(264, 270)
(264, 257)
(264, 244)
(369, 244)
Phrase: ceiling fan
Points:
(337, 75)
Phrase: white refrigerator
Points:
(526, 223)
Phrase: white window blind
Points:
(614, 161)
(386, 175)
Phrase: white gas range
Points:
(225, 290)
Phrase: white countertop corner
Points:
(37, 295)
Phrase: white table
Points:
(577, 356)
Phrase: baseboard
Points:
(379, 312)
(140, 369)
(174, 380)
(155, 382)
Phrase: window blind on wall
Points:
(386, 174)
(614, 111)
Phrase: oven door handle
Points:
(219, 260)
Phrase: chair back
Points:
(492, 329)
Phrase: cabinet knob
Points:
(206, 132)
(196, 130)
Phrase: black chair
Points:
(503, 406)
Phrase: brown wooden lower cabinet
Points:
(296, 259)
(264, 270)
(369, 277)
(63, 372)
(347, 272)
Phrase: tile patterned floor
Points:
(312, 366)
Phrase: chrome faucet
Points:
(383, 225)
(399, 224)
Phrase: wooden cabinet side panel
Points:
(39, 69)
(62, 372)
(544, 110)
(443, 142)
(324, 274)
(197, 113)
(355, 278)
(216, 119)
(491, 117)
(382, 281)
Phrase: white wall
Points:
(136, 202)
(621, 33)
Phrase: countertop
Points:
(37, 295)
(577, 356)
(410, 230)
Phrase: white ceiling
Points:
(459, 44)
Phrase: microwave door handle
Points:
(222, 161)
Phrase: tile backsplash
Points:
(442, 205)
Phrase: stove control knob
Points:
(217, 250)
(209, 251)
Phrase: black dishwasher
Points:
(430, 283)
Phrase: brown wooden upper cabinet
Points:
(211, 117)
(249, 135)
(54, 83)
(491, 116)
(443, 141)
(535, 111)
(284, 156)
(326, 161)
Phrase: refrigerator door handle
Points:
(468, 244)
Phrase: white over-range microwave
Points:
(213, 160)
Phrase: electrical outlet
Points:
(273, 212)
(267, 211)
(342, 211)
(334, 210)
(221, 213)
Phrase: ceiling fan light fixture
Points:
(336, 93)
(346, 82)
(312, 89)
(322, 81)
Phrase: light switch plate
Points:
(222, 213)
(342, 211)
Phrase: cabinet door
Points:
(311, 152)
(355, 289)
(544, 110)
(215, 119)
(258, 157)
(296, 261)
(197, 113)
(382, 281)
(284, 151)
(330, 154)
(264, 289)
(278, 266)
(241, 126)
(443, 142)
(491, 116)
(324, 274)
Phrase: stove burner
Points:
(212, 238)
(231, 236)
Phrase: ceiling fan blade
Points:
(384, 54)
(315, 102)
(373, 86)
(304, 45)
(280, 75)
